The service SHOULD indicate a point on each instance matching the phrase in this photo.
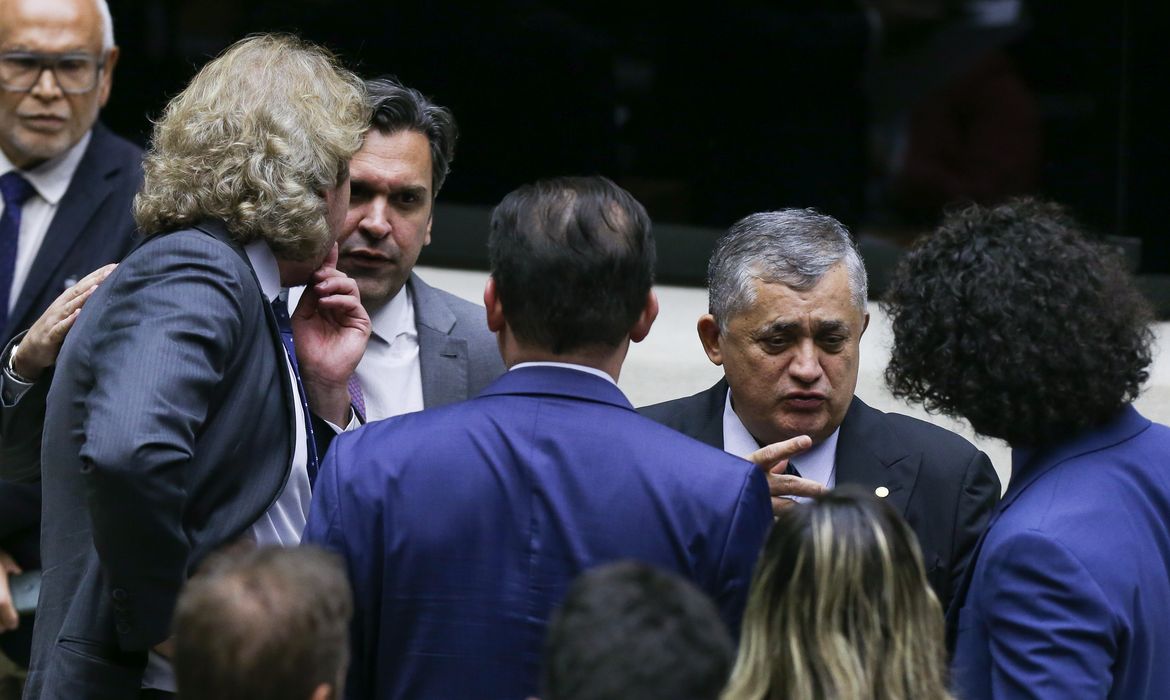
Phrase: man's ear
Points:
(495, 310)
(430, 220)
(708, 329)
(650, 312)
(864, 324)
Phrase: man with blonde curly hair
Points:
(179, 415)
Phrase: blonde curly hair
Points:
(253, 141)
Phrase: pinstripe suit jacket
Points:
(168, 433)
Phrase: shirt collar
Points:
(568, 365)
(267, 271)
(51, 178)
(818, 463)
(396, 317)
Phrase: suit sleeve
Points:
(1052, 631)
(745, 538)
(977, 499)
(325, 529)
(166, 334)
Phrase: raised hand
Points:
(773, 459)
(330, 329)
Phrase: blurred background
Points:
(880, 112)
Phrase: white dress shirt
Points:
(567, 365)
(390, 371)
(50, 180)
(819, 463)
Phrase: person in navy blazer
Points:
(1011, 318)
(87, 177)
(462, 526)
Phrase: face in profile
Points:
(389, 217)
(62, 104)
(791, 357)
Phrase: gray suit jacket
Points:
(458, 355)
(168, 433)
(943, 486)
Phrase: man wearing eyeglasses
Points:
(67, 185)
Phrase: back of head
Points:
(254, 140)
(793, 247)
(628, 630)
(1012, 318)
(263, 624)
(396, 108)
(840, 608)
(573, 262)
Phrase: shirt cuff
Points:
(11, 388)
(353, 424)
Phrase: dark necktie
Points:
(791, 469)
(16, 191)
(280, 308)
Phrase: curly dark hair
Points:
(1011, 317)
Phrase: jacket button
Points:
(123, 628)
(120, 594)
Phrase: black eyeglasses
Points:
(76, 73)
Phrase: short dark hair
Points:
(399, 108)
(1012, 318)
(573, 261)
(263, 624)
(628, 630)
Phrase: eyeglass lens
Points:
(75, 73)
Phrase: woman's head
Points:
(840, 608)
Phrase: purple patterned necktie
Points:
(16, 191)
(356, 397)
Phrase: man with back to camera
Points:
(67, 185)
(428, 348)
(788, 308)
(179, 419)
(462, 527)
(1013, 318)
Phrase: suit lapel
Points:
(90, 186)
(443, 358)
(870, 456)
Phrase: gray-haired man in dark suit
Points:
(788, 308)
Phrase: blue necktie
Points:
(16, 191)
(280, 308)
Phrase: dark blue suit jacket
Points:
(1070, 592)
(463, 526)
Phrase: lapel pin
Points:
(881, 492)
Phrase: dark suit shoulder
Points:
(699, 416)
(936, 443)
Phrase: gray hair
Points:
(399, 108)
(103, 9)
(793, 247)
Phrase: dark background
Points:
(710, 113)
